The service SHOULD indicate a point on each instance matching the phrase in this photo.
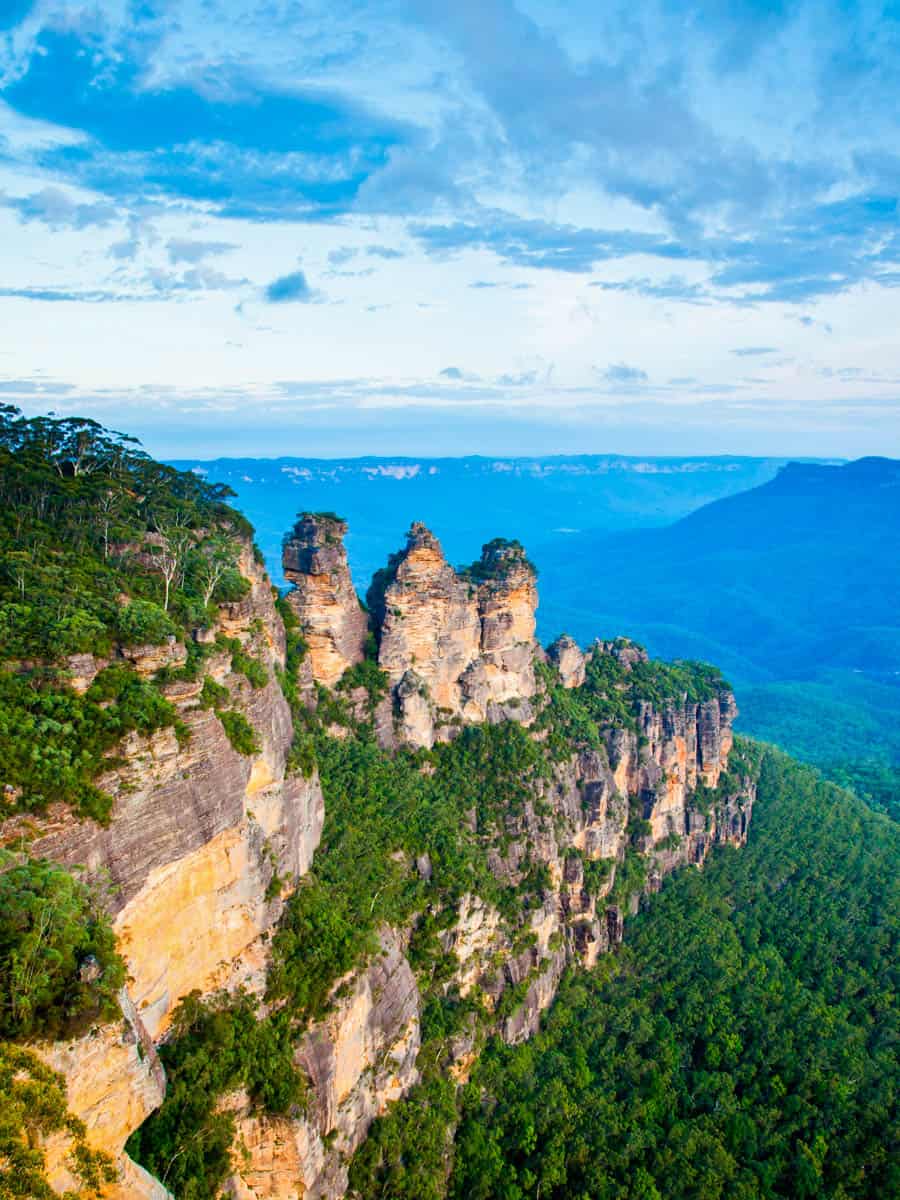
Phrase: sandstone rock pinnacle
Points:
(323, 597)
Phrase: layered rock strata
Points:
(197, 834)
(113, 1081)
(323, 596)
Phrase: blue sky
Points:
(342, 226)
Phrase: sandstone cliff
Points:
(204, 841)
(359, 1060)
(323, 596)
(198, 832)
(455, 646)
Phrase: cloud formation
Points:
(492, 182)
(57, 210)
(287, 289)
(620, 374)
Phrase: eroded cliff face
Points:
(637, 796)
(358, 1060)
(196, 835)
(198, 832)
(334, 624)
(114, 1081)
(456, 646)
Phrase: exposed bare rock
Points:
(507, 600)
(568, 659)
(456, 647)
(359, 1059)
(114, 1081)
(415, 721)
(473, 939)
(83, 669)
(524, 1022)
(625, 651)
(147, 660)
(196, 834)
(430, 622)
(323, 596)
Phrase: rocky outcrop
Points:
(114, 1081)
(456, 646)
(323, 596)
(430, 624)
(566, 656)
(358, 1060)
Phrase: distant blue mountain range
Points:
(544, 502)
(786, 575)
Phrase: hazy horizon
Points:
(444, 438)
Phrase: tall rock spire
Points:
(333, 621)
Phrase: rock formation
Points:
(456, 646)
(198, 831)
(566, 656)
(323, 596)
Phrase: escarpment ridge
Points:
(385, 829)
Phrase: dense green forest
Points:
(102, 549)
(742, 1044)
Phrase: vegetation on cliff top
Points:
(616, 689)
(498, 557)
(101, 549)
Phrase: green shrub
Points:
(143, 623)
(243, 663)
(366, 674)
(232, 587)
(240, 732)
(59, 969)
(214, 695)
(84, 517)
